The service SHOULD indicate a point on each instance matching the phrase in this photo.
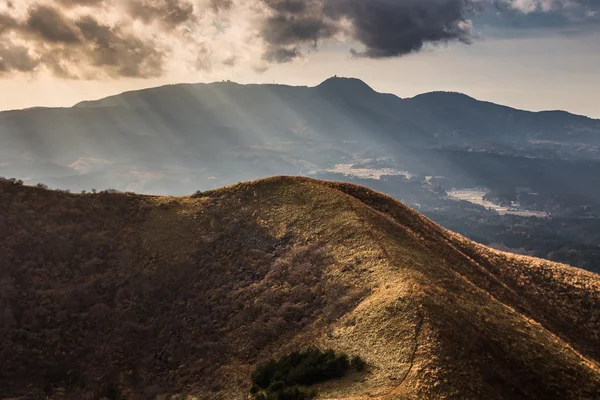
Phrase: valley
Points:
(477, 197)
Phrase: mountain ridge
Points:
(185, 294)
(334, 81)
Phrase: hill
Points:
(129, 296)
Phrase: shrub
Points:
(286, 378)
(276, 386)
(198, 194)
(358, 363)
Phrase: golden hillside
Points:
(138, 297)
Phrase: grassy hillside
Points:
(126, 296)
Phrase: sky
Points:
(530, 54)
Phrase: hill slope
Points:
(128, 296)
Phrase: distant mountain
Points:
(141, 297)
(177, 138)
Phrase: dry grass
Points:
(260, 268)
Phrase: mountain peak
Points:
(347, 85)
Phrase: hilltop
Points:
(130, 296)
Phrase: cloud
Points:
(221, 5)
(286, 30)
(169, 12)
(385, 28)
(120, 53)
(85, 39)
(77, 46)
(85, 165)
(395, 28)
(529, 6)
(576, 10)
(80, 3)
(16, 58)
(517, 18)
(230, 62)
(50, 25)
(7, 22)
(281, 54)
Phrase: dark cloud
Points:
(281, 54)
(286, 30)
(120, 53)
(392, 28)
(389, 28)
(50, 25)
(170, 12)
(291, 6)
(293, 23)
(386, 28)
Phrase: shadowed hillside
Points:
(135, 297)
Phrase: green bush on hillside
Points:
(358, 364)
(287, 378)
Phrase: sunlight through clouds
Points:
(98, 39)
(91, 39)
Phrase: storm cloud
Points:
(385, 28)
(92, 39)
(404, 27)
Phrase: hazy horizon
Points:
(135, 87)
(527, 54)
